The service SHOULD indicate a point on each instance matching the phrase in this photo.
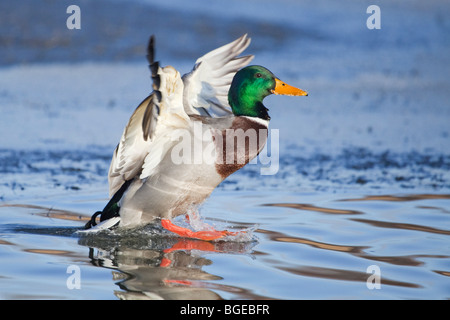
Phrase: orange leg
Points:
(202, 235)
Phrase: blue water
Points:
(363, 181)
(301, 244)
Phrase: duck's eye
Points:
(258, 75)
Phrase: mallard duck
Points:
(179, 143)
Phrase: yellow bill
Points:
(285, 89)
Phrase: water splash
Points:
(197, 223)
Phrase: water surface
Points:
(300, 245)
(364, 161)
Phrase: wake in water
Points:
(149, 248)
(192, 220)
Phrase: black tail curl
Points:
(111, 209)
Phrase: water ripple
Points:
(343, 275)
(402, 226)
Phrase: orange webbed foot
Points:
(201, 235)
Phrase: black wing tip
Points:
(154, 65)
(151, 50)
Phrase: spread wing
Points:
(145, 138)
(132, 149)
(206, 86)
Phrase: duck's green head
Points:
(251, 85)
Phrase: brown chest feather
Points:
(238, 145)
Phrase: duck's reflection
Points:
(164, 267)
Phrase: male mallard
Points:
(179, 143)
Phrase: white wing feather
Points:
(137, 154)
(172, 117)
(131, 151)
(206, 86)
